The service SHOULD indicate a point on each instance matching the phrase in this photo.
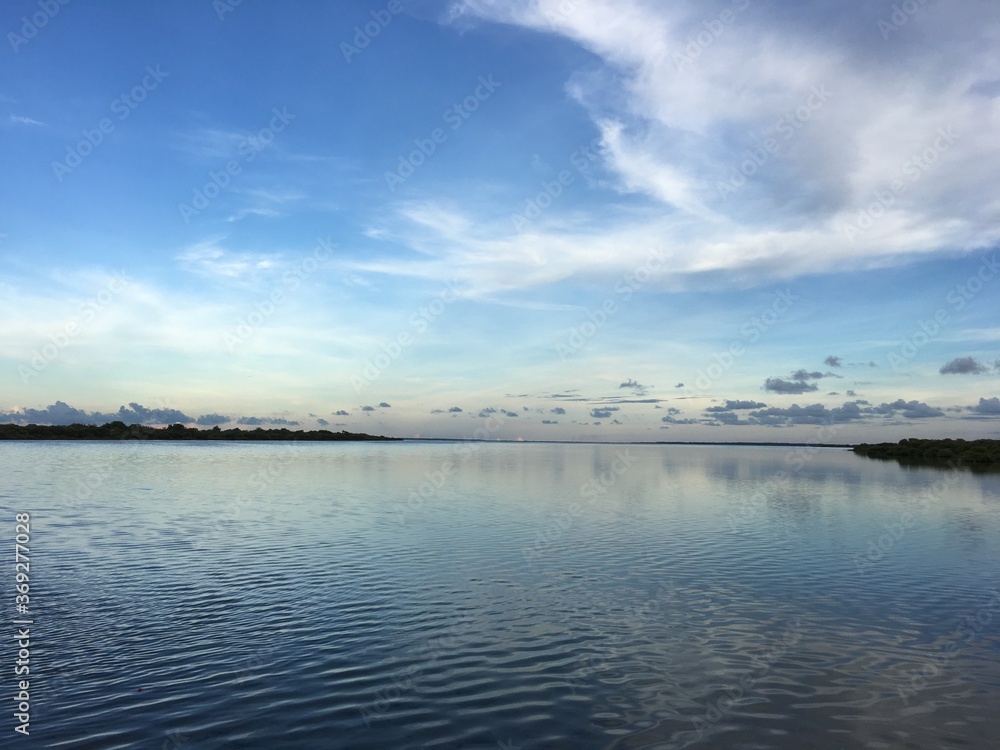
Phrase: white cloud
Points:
(974, 334)
(269, 213)
(209, 258)
(21, 120)
(211, 143)
(681, 108)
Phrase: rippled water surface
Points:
(534, 596)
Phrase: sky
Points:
(601, 220)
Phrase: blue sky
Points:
(547, 219)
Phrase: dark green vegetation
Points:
(122, 431)
(976, 454)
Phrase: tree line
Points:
(120, 431)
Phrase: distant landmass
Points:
(979, 455)
(976, 454)
(122, 431)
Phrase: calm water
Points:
(543, 596)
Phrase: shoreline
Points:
(119, 431)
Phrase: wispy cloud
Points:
(842, 135)
(22, 120)
(210, 258)
(243, 213)
(211, 143)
